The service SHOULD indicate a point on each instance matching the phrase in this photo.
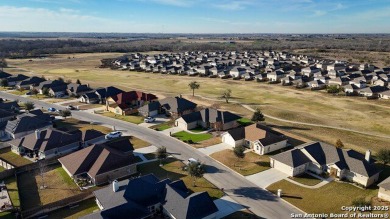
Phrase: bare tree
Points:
(227, 94)
(42, 170)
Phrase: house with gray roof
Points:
(208, 119)
(384, 189)
(319, 157)
(101, 163)
(26, 124)
(147, 196)
(47, 143)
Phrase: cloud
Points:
(61, 20)
(232, 5)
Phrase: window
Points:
(258, 148)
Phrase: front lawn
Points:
(58, 186)
(198, 129)
(251, 164)
(244, 122)
(185, 136)
(139, 143)
(161, 127)
(12, 158)
(18, 92)
(81, 209)
(172, 169)
(326, 199)
(306, 179)
(129, 118)
(207, 143)
(2, 168)
(72, 124)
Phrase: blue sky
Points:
(196, 16)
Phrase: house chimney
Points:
(368, 155)
(115, 186)
(37, 134)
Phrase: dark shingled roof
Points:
(91, 134)
(255, 132)
(211, 115)
(293, 158)
(25, 123)
(95, 160)
(5, 114)
(49, 139)
(139, 193)
(237, 133)
(324, 154)
(150, 107)
(177, 104)
(9, 105)
(108, 91)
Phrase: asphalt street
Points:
(261, 202)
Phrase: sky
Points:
(196, 16)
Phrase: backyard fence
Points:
(45, 209)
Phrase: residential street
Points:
(259, 201)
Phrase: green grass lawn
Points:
(326, 199)
(244, 122)
(161, 127)
(129, 118)
(7, 215)
(251, 164)
(2, 168)
(185, 136)
(84, 208)
(306, 179)
(58, 186)
(12, 158)
(172, 169)
(198, 129)
(13, 194)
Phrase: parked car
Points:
(149, 119)
(51, 109)
(115, 134)
(193, 160)
(70, 107)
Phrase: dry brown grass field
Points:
(356, 113)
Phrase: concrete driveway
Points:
(267, 177)
(215, 148)
(226, 206)
(159, 119)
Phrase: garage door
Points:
(283, 167)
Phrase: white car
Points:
(149, 119)
(193, 160)
(115, 134)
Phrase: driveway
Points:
(267, 177)
(172, 130)
(215, 148)
(159, 119)
(261, 202)
(226, 206)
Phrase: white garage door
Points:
(283, 167)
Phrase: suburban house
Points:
(318, 157)
(6, 115)
(14, 79)
(385, 95)
(27, 123)
(101, 163)
(261, 139)
(4, 75)
(372, 91)
(145, 196)
(47, 143)
(58, 91)
(384, 189)
(74, 89)
(92, 136)
(49, 84)
(100, 95)
(12, 106)
(27, 83)
(151, 109)
(208, 119)
(127, 103)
